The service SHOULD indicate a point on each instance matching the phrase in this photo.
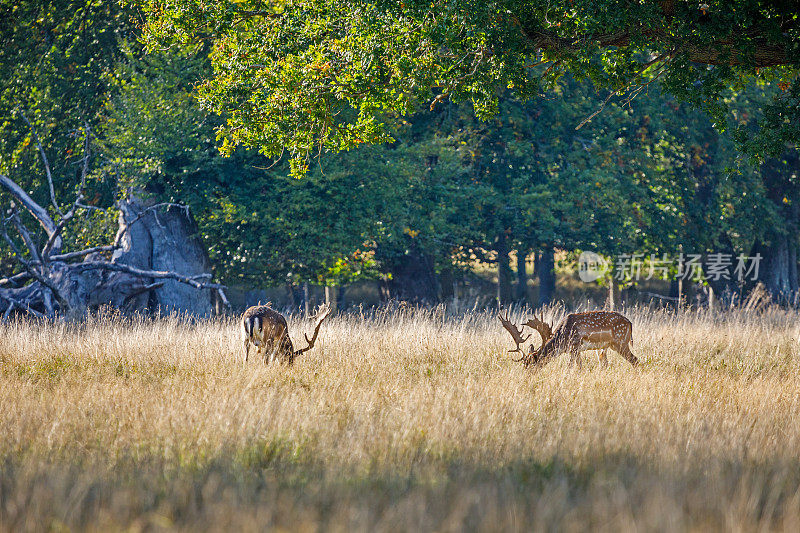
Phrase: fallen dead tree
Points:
(155, 262)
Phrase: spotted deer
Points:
(577, 332)
(268, 331)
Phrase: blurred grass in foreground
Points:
(404, 420)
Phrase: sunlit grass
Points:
(400, 420)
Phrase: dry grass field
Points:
(401, 421)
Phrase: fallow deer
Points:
(268, 330)
(577, 332)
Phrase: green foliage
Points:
(53, 58)
(649, 176)
(259, 225)
(151, 117)
(470, 159)
(307, 75)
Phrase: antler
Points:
(539, 325)
(322, 313)
(515, 332)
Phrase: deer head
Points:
(534, 355)
(538, 324)
(545, 332)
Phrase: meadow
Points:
(400, 420)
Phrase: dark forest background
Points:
(454, 210)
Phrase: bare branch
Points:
(56, 235)
(32, 271)
(224, 298)
(16, 278)
(14, 303)
(11, 305)
(91, 207)
(193, 281)
(145, 288)
(47, 300)
(37, 211)
(67, 257)
(45, 161)
(24, 233)
(86, 155)
(634, 90)
(598, 110)
(76, 204)
(82, 253)
(723, 51)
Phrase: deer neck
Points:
(546, 350)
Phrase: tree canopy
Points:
(306, 75)
(513, 130)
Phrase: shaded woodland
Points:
(115, 192)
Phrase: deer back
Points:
(602, 326)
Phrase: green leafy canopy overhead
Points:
(307, 75)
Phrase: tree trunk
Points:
(255, 297)
(330, 297)
(613, 298)
(793, 281)
(725, 291)
(291, 293)
(447, 284)
(503, 271)
(677, 287)
(136, 244)
(545, 270)
(522, 277)
(413, 278)
(778, 268)
(711, 299)
(165, 241)
(673, 289)
(341, 300)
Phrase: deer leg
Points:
(246, 349)
(287, 350)
(275, 352)
(575, 356)
(265, 345)
(602, 358)
(625, 352)
(269, 351)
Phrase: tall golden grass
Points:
(404, 420)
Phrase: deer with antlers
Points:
(577, 332)
(268, 331)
